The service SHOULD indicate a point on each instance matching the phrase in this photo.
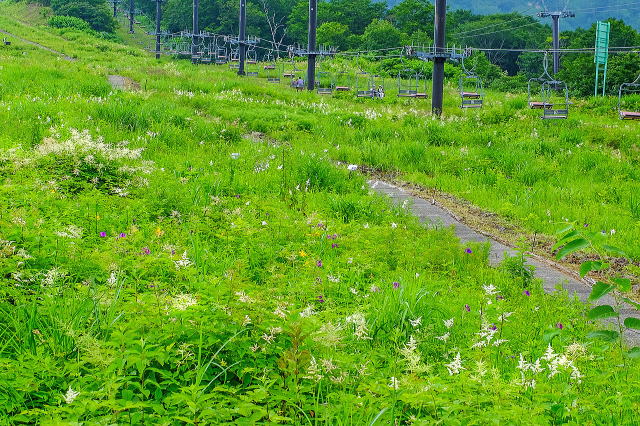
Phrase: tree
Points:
(276, 19)
(97, 15)
(334, 34)
(381, 34)
(411, 16)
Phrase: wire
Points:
(499, 23)
(505, 29)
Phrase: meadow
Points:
(198, 251)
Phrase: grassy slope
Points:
(109, 316)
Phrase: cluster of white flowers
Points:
(71, 231)
(412, 357)
(360, 323)
(70, 396)
(271, 336)
(307, 312)
(281, 311)
(329, 334)
(243, 297)
(555, 364)
(183, 262)
(181, 302)
(486, 336)
(82, 144)
(51, 276)
(455, 366)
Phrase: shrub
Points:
(69, 22)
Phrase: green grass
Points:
(183, 285)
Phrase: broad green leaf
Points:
(573, 246)
(632, 323)
(565, 238)
(632, 303)
(601, 312)
(606, 335)
(549, 335)
(599, 290)
(623, 284)
(614, 250)
(565, 229)
(634, 353)
(592, 265)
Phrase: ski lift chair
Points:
(252, 63)
(555, 100)
(421, 86)
(539, 82)
(471, 88)
(407, 87)
(364, 85)
(324, 83)
(343, 82)
(627, 89)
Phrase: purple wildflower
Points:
(396, 285)
(122, 235)
(146, 250)
(467, 308)
(334, 245)
(559, 325)
(319, 263)
(468, 250)
(493, 327)
(499, 297)
(586, 225)
(320, 299)
(237, 195)
(103, 234)
(526, 293)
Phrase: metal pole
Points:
(131, 14)
(556, 43)
(311, 45)
(242, 36)
(115, 8)
(439, 60)
(158, 18)
(196, 31)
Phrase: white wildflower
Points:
(490, 290)
(358, 320)
(448, 323)
(352, 167)
(183, 301)
(455, 366)
(416, 322)
(394, 383)
(183, 262)
(444, 337)
(307, 312)
(70, 396)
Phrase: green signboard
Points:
(601, 56)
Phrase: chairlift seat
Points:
(403, 93)
(343, 88)
(252, 73)
(555, 114)
(269, 67)
(420, 95)
(273, 80)
(470, 95)
(324, 91)
(365, 93)
(288, 75)
(629, 115)
(540, 105)
(471, 103)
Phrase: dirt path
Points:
(550, 273)
(122, 83)
(33, 43)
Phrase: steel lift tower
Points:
(555, 17)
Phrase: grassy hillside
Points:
(197, 251)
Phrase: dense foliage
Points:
(205, 250)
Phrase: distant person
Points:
(300, 84)
(380, 92)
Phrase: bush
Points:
(69, 22)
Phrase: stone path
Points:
(122, 83)
(550, 274)
(33, 43)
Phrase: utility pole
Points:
(439, 57)
(158, 17)
(242, 36)
(131, 15)
(196, 31)
(115, 8)
(311, 45)
(555, 27)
